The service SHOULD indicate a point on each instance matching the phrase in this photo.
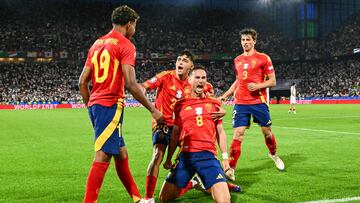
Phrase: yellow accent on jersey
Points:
(104, 136)
(219, 177)
(116, 66)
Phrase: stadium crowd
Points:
(163, 29)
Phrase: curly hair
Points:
(123, 14)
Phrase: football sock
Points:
(235, 152)
(188, 187)
(150, 186)
(271, 144)
(123, 171)
(94, 181)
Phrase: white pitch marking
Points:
(318, 130)
(347, 199)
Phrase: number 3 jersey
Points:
(105, 59)
(251, 69)
(198, 128)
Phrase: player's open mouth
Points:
(180, 68)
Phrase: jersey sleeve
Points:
(156, 81)
(268, 67)
(88, 59)
(128, 54)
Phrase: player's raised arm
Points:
(135, 90)
(84, 80)
(172, 146)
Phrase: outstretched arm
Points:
(221, 138)
(229, 92)
(135, 90)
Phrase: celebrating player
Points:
(171, 86)
(197, 132)
(110, 67)
(250, 98)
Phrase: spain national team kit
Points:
(169, 89)
(251, 69)
(105, 58)
(197, 140)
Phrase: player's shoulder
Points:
(213, 100)
(263, 55)
(239, 57)
(166, 73)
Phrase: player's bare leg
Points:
(235, 151)
(169, 192)
(220, 192)
(270, 142)
(96, 176)
(123, 171)
(153, 169)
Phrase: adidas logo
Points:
(188, 108)
(219, 177)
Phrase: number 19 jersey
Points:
(105, 59)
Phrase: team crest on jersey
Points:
(187, 90)
(178, 94)
(208, 107)
(253, 63)
(153, 80)
(246, 66)
(198, 110)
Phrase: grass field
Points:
(46, 156)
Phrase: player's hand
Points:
(157, 115)
(225, 163)
(253, 86)
(222, 98)
(218, 114)
(168, 165)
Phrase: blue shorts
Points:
(242, 115)
(161, 134)
(204, 163)
(107, 123)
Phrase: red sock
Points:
(188, 187)
(150, 186)
(123, 171)
(94, 181)
(235, 151)
(271, 144)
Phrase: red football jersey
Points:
(251, 69)
(198, 128)
(105, 59)
(169, 90)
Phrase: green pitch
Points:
(46, 156)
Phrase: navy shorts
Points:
(204, 163)
(107, 123)
(161, 134)
(242, 115)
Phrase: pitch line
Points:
(308, 129)
(324, 117)
(347, 199)
(317, 130)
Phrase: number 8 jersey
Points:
(198, 128)
(105, 59)
(251, 69)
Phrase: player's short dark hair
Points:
(187, 54)
(249, 31)
(124, 14)
(293, 83)
(197, 67)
